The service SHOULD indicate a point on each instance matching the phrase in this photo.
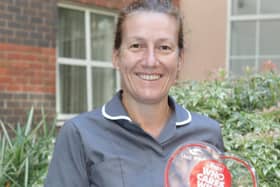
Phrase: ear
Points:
(116, 59)
(179, 64)
(180, 59)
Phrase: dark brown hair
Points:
(161, 6)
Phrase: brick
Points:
(19, 112)
(14, 55)
(6, 16)
(6, 79)
(13, 119)
(15, 88)
(29, 42)
(27, 104)
(3, 40)
(7, 32)
(44, 43)
(37, 65)
(21, 18)
(13, 9)
(5, 95)
(28, 26)
(36, 96)
(2, 7)
(20, 3)
(4, 112)
(22, 57)
(2, 23)
(36, 20)
(13, 104)
(14, 25)
(14, 40)
(20, 96)
(35, 35)
(3, 71)
(22, 33)
(22, 80)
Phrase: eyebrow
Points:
(137, 38)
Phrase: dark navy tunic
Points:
(105, 148)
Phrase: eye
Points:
(135, 46)
(165, 49)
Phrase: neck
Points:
(151, 117)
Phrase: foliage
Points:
(248, 110)
(25, 152)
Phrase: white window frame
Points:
(244, 17)
(87, 62)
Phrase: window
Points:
(254, 34)
(85, 75)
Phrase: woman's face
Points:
(148, 59)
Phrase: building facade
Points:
(235, 35)
(56, 54)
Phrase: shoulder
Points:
(203, 119)
(82, 122)
(208, 129)
(205, 123)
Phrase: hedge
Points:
(248, 110)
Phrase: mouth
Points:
(148, 77)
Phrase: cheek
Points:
(173, 67)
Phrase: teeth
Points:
(149, 77)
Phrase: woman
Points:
(127, 142)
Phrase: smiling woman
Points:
(148, 61)
(128, 141)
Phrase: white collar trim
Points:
(105, 114)
(181, 123)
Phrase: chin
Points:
(151, 98)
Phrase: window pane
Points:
(243, 38)
(102, 37)
(71, 33)
(270, 6)
(239, 67)
(103, 85)
(73, 94)
(269, 37)
(240, 7)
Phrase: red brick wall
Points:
(112, 4)
(27, 58)
(27, 69)
(28, 22)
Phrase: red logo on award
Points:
(210, 173)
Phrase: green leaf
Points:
(29, 121)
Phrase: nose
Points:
(151, 58)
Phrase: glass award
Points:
(202, 165)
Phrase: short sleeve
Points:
(220, 143)
(68, 163)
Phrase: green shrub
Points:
(25, 152)
(248, 110)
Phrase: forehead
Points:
(150, 25)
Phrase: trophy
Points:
(202, 165)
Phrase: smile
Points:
(149, 77)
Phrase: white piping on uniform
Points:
(114, 117)
(185, 121)
(106, 115)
